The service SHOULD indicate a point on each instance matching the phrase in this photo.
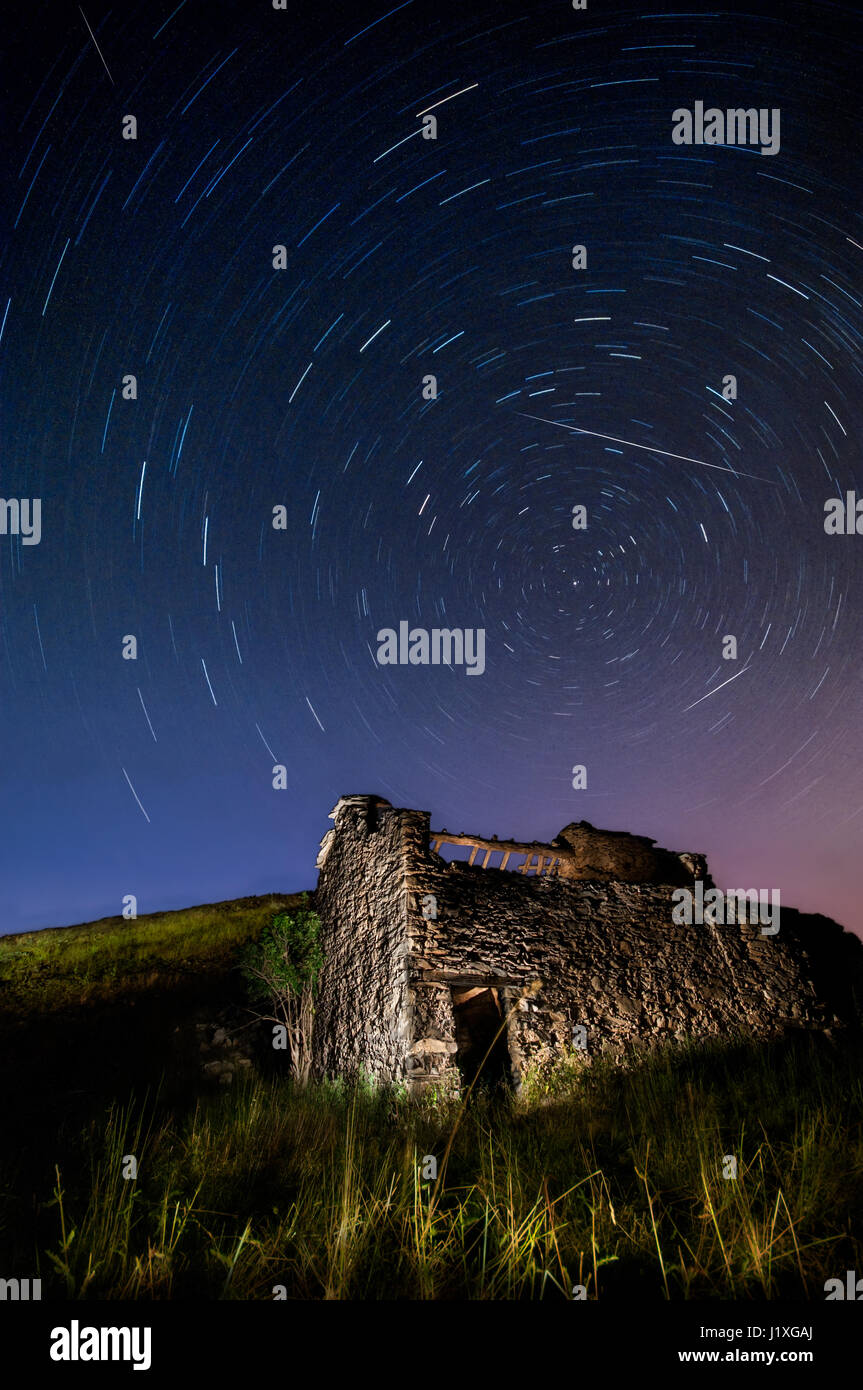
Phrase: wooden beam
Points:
(538, 858)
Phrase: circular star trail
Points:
(326, 260)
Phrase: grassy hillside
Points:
(100, 962)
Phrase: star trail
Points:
(321, 319)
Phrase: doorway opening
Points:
(478, 1018)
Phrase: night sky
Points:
(302, 387)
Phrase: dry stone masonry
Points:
(572, 943)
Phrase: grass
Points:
(100, 962)
(606, 1178)
(603, 1179)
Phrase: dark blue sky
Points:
(302, 387)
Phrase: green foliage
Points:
(283, 968)
(559, 1079)
(288, 958)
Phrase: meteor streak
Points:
(651, 449)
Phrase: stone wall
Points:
(360, 1017)
(613, 854)
(403, 929)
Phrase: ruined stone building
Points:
(570, 945)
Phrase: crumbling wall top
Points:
(580, 851)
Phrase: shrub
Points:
(283, 968)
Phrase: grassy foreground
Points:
(608, 1179)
